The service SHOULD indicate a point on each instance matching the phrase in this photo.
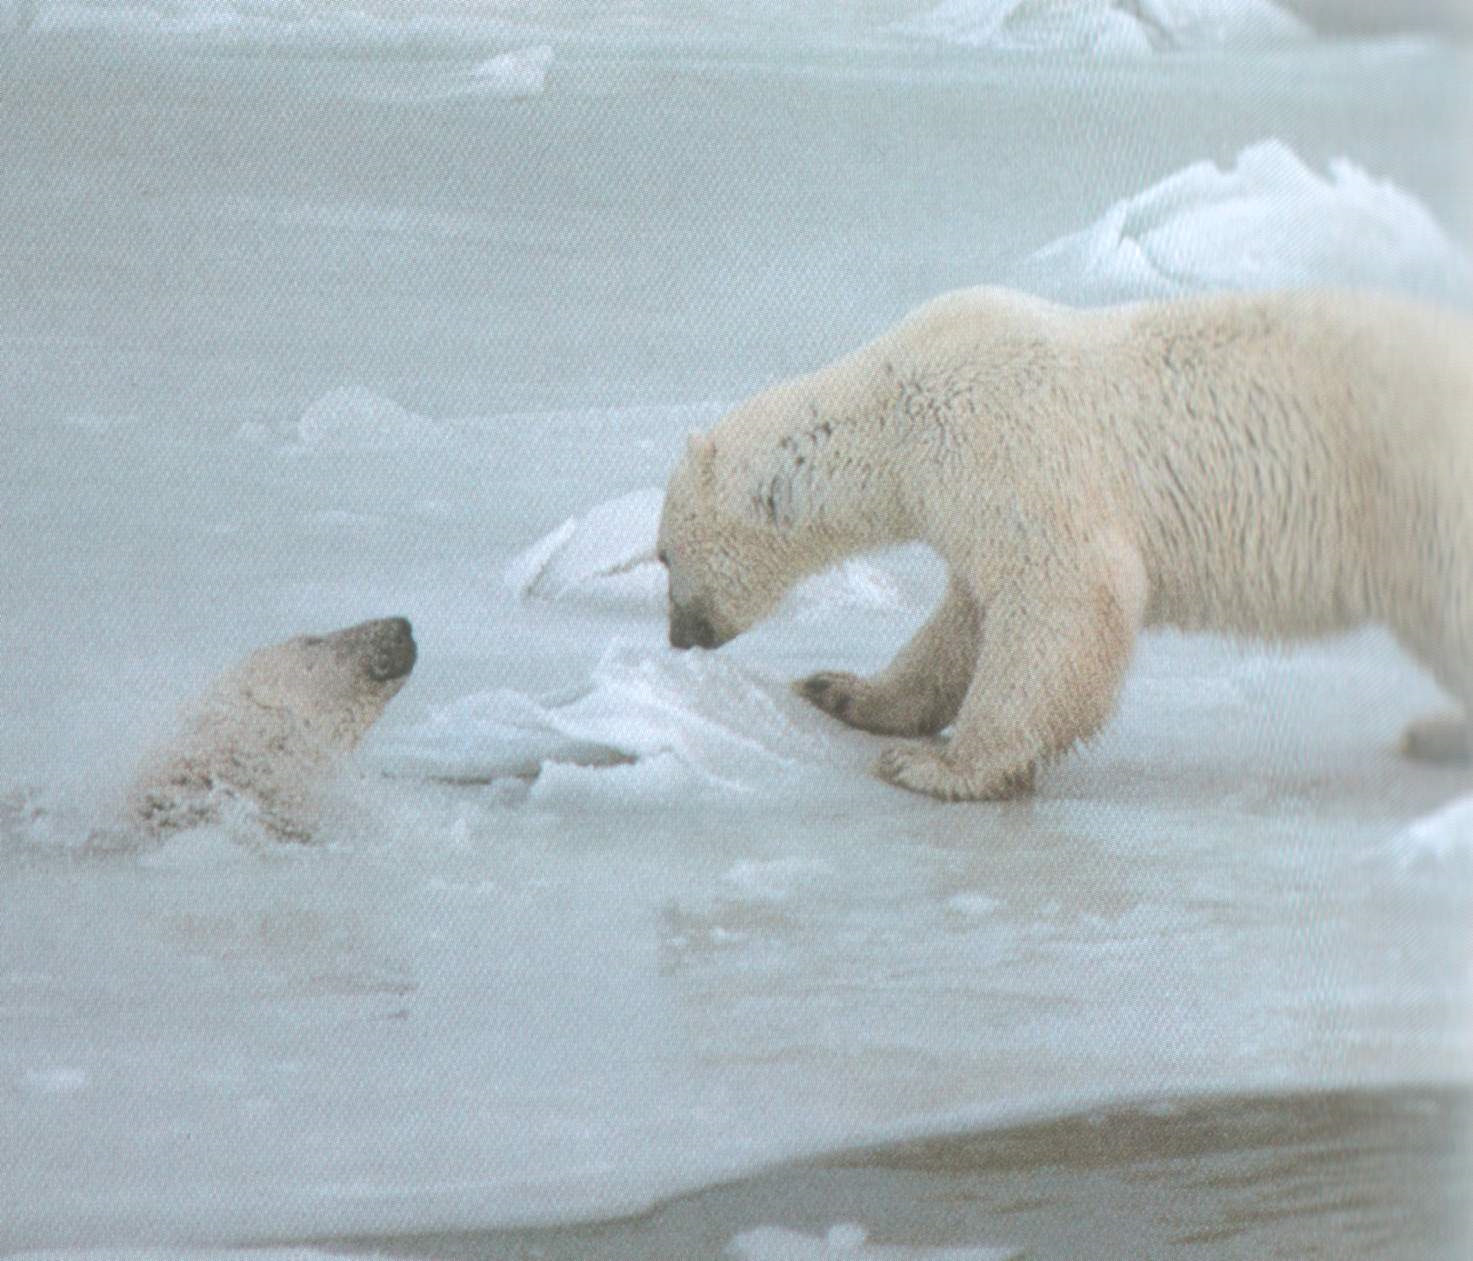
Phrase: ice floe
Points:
(350, 418)
(606, 556)
(693, 720)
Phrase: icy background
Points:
(310, 314)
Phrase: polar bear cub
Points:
(269, 730)
(1273, 465)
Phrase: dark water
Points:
(1345, 1175)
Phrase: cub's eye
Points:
(663, 557)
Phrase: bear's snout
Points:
(384, 648)
(394, 649)
(692, 630)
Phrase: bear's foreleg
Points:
(920, 692)
(1054, 648)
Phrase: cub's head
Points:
(332, 686)
(270, 729)
(728, 567)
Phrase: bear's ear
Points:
(700, 455)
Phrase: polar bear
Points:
(269, 730)
(1274, 465)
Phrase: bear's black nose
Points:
(394, 650)
(691, 630)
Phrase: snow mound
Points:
(33, 816)
(515, 74)
(606, 557)
(1269, 221)
(648, 725)
(1441, 841)
(1107, 27)
(844, 1242)
(353, 418)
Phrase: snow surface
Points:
(259, 26)
(181, 1254)
(591, 922)
(522, 32)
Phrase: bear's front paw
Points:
(927, 769)
(1442, 738)
(865, 704)
(833, 691)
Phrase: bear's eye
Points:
(663, 557)
(311, 641)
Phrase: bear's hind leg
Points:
(920, 692)
(1055, 648)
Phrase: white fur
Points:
(1272, 465)
(269, 730)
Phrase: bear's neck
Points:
(880, 519)
(826, 455)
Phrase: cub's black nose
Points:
(394, 650)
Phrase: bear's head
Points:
(270, 730)
(328, 688)
(728, 566)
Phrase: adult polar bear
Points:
(1275, 465)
